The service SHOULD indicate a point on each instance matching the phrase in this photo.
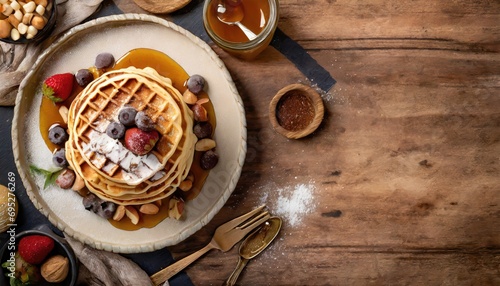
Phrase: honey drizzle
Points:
(167, 67)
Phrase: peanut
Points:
(14, 34)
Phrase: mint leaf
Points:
(50, 176)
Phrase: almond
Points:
(205, 145)
(189, 97)
(149, 209)
(63, 111)
(175, 208)
(119, 213)
(78, 184)
(132, 214)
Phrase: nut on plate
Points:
(149, 209)
(205, 144)
(132, 214)
(55, 269)
(119, 213)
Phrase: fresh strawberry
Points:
(58, 87)
(35, 248)
(140, 142)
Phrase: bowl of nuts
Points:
(23, 22)
(37, 257)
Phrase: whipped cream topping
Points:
(109, 152)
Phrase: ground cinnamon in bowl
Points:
(296, 111)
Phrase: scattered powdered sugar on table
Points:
(292, 203)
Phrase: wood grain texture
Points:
(404, 169)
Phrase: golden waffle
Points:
(96, 176)
(102, 103)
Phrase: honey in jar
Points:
(259, 16)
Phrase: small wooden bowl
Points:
(161, 6)
(315, 100)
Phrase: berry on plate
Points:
(58, 87)
(35, 248)
(140, 142)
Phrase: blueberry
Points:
(202, 130)
(144, 122)
(115, 130)
(106, 209)
(90, 202)
(209, 160)
(83, 77)
(127, 116)
(58, 135)
(59, 158)
(196, 83)
(104, 60)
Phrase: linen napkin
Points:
(16, 60)
(99, 268)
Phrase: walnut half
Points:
(55, 269)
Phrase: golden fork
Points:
(225, 237)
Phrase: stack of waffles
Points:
(108, 168)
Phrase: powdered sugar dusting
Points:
(293, 202)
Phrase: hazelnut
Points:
(66, 179)
(186, 185)
(200, 113)
(55, 269)
(5, 28)
(38, 22)
(41, 2)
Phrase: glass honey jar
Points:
(259, 16)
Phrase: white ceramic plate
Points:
(118, 35)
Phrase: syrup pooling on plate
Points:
(166, 67)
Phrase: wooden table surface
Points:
(401, 183)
